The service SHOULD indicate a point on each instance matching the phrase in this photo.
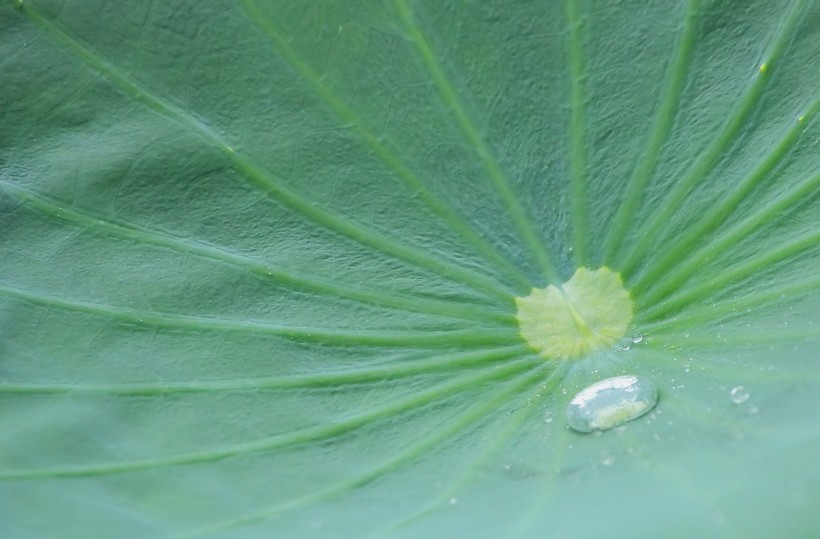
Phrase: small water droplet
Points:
(739, 394)
(453, 501)
(608, 460)
(610, 403)
(637, 338)
(548, 416)
(507, 466)
(753, 410)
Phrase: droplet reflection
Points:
(739, 394)
(611, 403)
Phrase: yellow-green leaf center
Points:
(590, 311)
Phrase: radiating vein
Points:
(525, 226)
(266, 181)
(659, 288)
(576, 134)
(427, 442)
(658, 135)
(731, 275)
(700, 169)
(310, 434)
(330, 336)
(511, 426)
(729, 371)
(735, 338)
(437, 363)
(680, 247)
(559, 440)
(388, 155)
(735, 306)
(300, 280)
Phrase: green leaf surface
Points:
(259, 262)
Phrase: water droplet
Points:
(611, 403)
(548, 416)
(453, 501)
(637, 338)
(739, 394)
(753, 410)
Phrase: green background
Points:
(258, 263)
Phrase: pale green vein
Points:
(269, 183)
(329, 336)
(442, 362)
(576, 134)
(680, 247)
(706, 161)
(417, 450)
(658, 135)
(732, 307)
(300, 280)
(731, 276)
(729, 371)
(511, 425)
(778, 208)
(523, 223)
(310, 434)
(735, 338)
(559, 437)
(388, 155)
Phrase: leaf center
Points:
(589, 311)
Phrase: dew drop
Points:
(548, 416)
(608, 460)
(637, 338)
(739, 394)
(610, 403)
(453, 501)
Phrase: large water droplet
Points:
(739, 394)
(611, 403)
